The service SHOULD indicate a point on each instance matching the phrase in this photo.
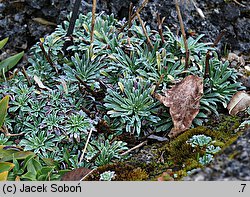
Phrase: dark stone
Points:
(219, 15)
(2, 7)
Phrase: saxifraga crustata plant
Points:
(132, 105)
(123, 67)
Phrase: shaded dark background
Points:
(17, 24)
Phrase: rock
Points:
(2, 7)
(219, 15)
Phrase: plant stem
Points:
(144, 30)
(47, 57)
(129, 19)
(73, 18)
(85, 147)
(183, 33)
(71, 27)
(144, 3)
(160, 22)
(7, 134)
(217, 40)
(135, 147)
(240, 4)
(93, 21)
(26, 76)
(207, 66)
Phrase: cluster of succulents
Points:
(206, 143)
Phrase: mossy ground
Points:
(123, 172)
(172, 160)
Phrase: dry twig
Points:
(7, 134)
(88, 174)
(160, 22)
(26, 76)
(183, 33)
(144, 30)
(47, 57)
(93, 21)
(240, 4)
(207, 66)
(85, 147)
(129, 19)
(144, 3)
(217, 40)
(135, 147)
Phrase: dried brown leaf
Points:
(239, 102)
(76, 174)
(184, 102)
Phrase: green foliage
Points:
(196, 48)
(205, 143)
(111, 80)
(7, 153)
(3, 42)
(5, 167)
(39, 143)
(77, 127)
(219, 88)
(246, 123)
(26, 166)
(4, 140)
(199, 140)
(3, 109)
(10, 62)
(134, 106)
(206, 159)
(105, 151)
(107, 176)
(87, 68)
(222, 82)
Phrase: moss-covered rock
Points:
(123, 172)
(173, 160)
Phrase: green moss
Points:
(191, 164)
(185, 157)
(179, 151)
(233, 155)
(176, 155)
(124, 172)
(229, 124)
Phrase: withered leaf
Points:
(184, 102)
(239, 102)
(40, 83)
(76, 174)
